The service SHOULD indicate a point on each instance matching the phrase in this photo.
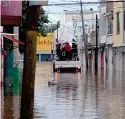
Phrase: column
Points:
(8, 60)
(0, 75)
(39, 57)
(1, 46)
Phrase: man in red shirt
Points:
(68, 51)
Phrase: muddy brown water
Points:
(90, 96)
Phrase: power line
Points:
(52, 12)
(69, 7)
(77, 3)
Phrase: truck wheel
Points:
(78, 69)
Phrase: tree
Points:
(23, 28)
(53, 27)
(42, 23)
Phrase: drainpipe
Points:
(8, 61)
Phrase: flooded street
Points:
(91, 96)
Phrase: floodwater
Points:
(90, 96)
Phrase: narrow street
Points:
(99, 96)
(38, 38)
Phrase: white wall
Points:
(66, 19)
(65, 33)
(102, 24)
(1, 30)
(109, 39)
(89, 17)
(110, 56)
(102, 29)
(69, 15)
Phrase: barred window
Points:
(118, 22)
(110, 26)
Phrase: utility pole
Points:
(58, 25)
(83, 40)
(57, 33)
(96, 49)
(28, 83)
(52, 76)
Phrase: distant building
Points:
(112, 34)
(106, 34)
(71, 24)
(92, 38)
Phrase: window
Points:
(117, 23)
(110, 26)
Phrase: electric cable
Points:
(78, 3)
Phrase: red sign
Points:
(11, 12)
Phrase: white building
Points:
(106, 34)
(71, 24)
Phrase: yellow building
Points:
(118, 23)
(44, 44)
(44, 47)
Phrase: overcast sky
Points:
(54, 11)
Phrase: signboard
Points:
(44, 43)
(11, 12)
(41, 2)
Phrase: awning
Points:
(13, 39)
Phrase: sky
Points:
(54, 11)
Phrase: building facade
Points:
(44, 48)
(118, 36)
(112, 36)
(109, 36)
(11, 13)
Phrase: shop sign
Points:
(11, 12)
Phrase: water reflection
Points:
(93, 95)
(10, 100)
(11, 104)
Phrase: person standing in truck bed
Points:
(68, 50)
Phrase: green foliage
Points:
(42, 22)
(23, 28)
